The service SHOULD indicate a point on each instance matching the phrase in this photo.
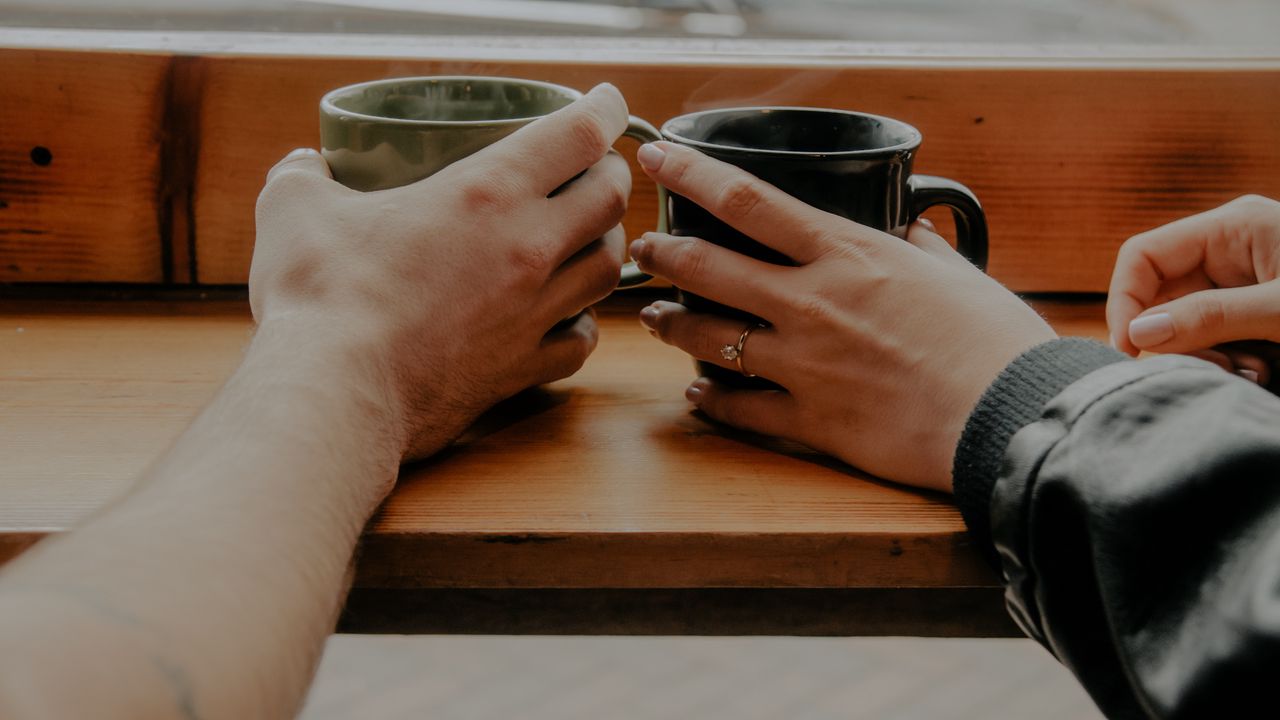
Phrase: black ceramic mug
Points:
(850, 164)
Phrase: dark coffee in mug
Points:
(850, 164)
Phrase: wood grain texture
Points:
(160, 141)
(1068, 162)
(80, 166)
(604, 480)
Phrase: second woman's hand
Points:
(1207, 285)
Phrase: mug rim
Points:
(915, 137)
(328, 107)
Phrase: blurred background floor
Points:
(571, 678)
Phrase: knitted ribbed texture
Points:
(1016, 399)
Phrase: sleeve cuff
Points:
(1016, 399)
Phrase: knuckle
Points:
(812, 308)
(586, 133)
(1125, 252)
(673, 328)
(615, 200)
(605, 278)
(621, 170)
(585, 336)
(720, 408)
(616, 166)
(1127, 246)
(286, 184)
(702, 341)
(285, 175)
(668, 326)
(662, 326)
(1211, 314)
(611, 257)
(688, 259)
(1258, 214)
(532, 260)
(578, 359)
(1132, 251)
(1253, 224)
(1134, 244)
(739, 197)
(675, 168)
(486, 193)
(1252, 203)
(841, 243)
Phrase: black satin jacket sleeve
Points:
(1134, 510)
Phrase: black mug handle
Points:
(971, 222)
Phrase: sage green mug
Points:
(387, 133)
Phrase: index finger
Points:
(1148, 260)
(552, 150)
(740, 199)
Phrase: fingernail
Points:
(1151, 330)
(928, 224)
(650, 157)
(649, 317)
(637, 247)
(300, 152)
(694, 393)
(1247, 374)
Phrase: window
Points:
(1161, 22)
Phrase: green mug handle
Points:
(641, 130)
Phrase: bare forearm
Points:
(212, 585)
(208, 590)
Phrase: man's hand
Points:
(452, 285)
(387, 322)
(883, 346)
(1204, 285)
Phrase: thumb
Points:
(303, 160)
(1210, 317)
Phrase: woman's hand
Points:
(883, 346)
(1204, 285)
(448, 289)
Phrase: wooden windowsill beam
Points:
(135, 157)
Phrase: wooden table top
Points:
(604, 480)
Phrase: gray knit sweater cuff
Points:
(1015, 400)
